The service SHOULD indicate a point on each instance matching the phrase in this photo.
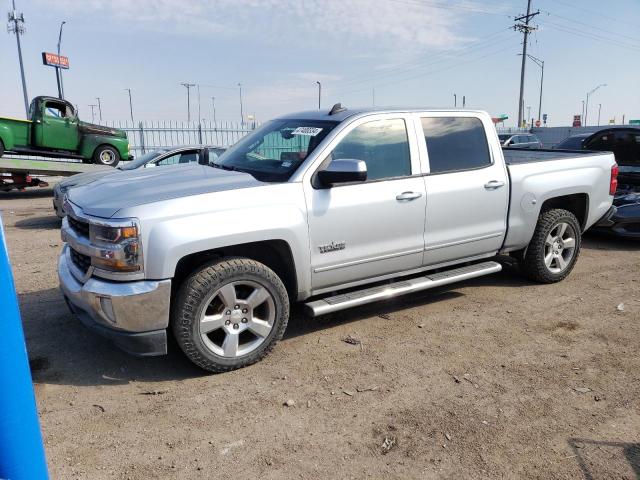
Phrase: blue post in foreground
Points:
(21, 449)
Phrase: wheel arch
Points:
(275, 254)
(576, 203)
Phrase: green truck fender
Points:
(89, 144)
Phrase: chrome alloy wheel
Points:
(237, 319)
(107, 157)
(559, 247)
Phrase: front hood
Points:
(105, 196)
(85, 178)
(93, 129)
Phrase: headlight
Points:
(118, 247)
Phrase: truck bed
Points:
(517, 156)
(46, 167)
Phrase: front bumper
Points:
(57, 203)
(134, 315)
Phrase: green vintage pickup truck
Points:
(54, 130)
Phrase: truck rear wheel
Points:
(106, 155)
(229, 314)
(554, 248)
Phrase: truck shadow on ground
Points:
(31, 193)
(592, 454)
(603, 241)
(64, 352)
(51, 222)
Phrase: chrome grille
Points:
(80, 227)
(83, 262)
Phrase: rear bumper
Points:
(624, 222)
(606, 220)
(134, 315)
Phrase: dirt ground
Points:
(493, 378)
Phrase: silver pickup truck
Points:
(333, 209)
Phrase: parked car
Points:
(54, 130)
(331, 209)
(520, 140)
(574, 142)
(157, 158)
(624, 142)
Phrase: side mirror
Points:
(343, 171)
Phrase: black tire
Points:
(533, 263)
(198, 293)
(106, 155)
(1, 148)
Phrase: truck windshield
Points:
(275, 151)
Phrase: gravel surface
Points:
(492, 378)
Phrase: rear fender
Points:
(91, 142)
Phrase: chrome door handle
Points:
(493, 184)
(408, 196)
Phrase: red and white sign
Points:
(54, 60)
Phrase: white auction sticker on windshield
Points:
(308, 131)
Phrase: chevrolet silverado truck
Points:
(331, 209)
(54, 130)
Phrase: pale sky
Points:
(411, 52)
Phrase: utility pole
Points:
(213, 103)
(130, 103)
(16, 25)
(525, 29)
(528, 113)
(58, 69)
(188, 87)
(373, 97)
(241, 112)
(582, 117)
(99, 108)
(319, 93)
(455, 101)
(464, 101)
(599, 110)
(586, 107)
(93, 115)
(199, 114)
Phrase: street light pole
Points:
(199, 114)
(58, 69)
(582, 118)
(130, 103)
(213, 103)
(528, 113)
(455, 101)
(16, 25)
(599, 110)
(540, 63)
(188, 87)
(99, 108)
(241, 112)
(586, 107)
(93, 115)
(319, 93)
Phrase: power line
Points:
(484, 42)
(600, 15)
(617, 34)
(432, 72)
(448, 6)
(591, 36)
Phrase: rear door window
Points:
(455, 144)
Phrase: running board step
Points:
(401, 287)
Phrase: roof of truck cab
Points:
(323, 114)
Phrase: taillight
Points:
(613, 184)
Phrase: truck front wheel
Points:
(106, 155)
(554, 248)
(229, 314)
